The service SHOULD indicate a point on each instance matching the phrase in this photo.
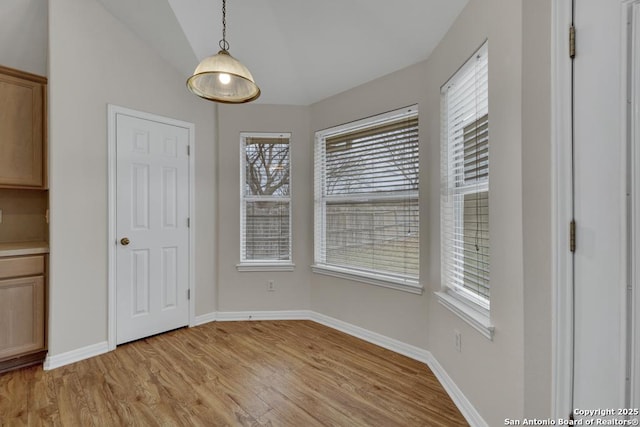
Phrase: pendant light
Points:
(221, 77)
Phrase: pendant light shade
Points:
(221, 77)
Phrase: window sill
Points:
(372, 279)
(479, 321)
(265, 266)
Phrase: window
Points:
(465, 184)
(265, 201)
(366, 200)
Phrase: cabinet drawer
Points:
(21, 266)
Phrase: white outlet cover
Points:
(458, 341)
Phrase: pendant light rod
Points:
(221, 77)
(224, 44)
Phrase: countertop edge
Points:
(23, 248)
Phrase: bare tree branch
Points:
(267, 169)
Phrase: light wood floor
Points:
(276, 373)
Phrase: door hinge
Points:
(188, 222)
(188, 150)
(572, 41)
(188, 294)
(572, 236)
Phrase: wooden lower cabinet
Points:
(22, 313)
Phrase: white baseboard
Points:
(231, 316)
(52, 362)
(466, 408)
(205, 318)
(410, 351)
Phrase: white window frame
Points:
(263, 265)
(469, 306)
(392, 281)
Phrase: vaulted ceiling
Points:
(299, 51)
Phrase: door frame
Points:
(112, 112)
(634, 127)
(562, 209)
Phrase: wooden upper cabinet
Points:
(22, 129)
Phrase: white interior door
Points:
(600, 172)
(152, 210)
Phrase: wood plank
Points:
(14, 396)
(272, 373)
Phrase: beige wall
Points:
(506, 377)
(490, 373)
(95, 60)
(397, 314)
(536, 206)
(23, 35)
(495, 375)
(247, 291)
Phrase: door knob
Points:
(125, 241)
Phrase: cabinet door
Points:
(21, 316)
(21, 132)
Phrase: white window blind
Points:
(265, 198)
(366, 197)
(465, 182)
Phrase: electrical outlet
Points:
(270, 286)
(458, 341)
